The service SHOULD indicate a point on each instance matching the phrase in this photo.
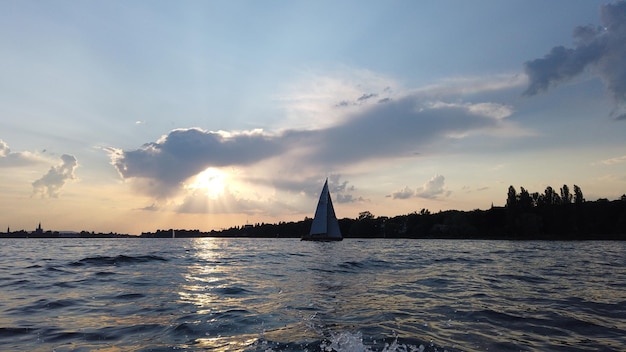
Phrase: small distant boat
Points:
(325, 226)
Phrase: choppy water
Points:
(288, 295)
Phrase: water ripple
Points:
(287, 295)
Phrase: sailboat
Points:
(325, 226)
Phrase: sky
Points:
(132, 116)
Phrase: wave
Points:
(118, 260)
(12, 332)
(231, 290)
(129, 296)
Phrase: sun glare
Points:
(210, 182)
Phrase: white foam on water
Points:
(353, 342)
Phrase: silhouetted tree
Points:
(535, 196)
(566, 197)
(365, 215)
(511, 199)
(525, 201)
(550, 197)
(364, 226)
(578, 195)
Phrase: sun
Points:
(210, 182)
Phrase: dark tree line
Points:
(563, 215)
(551, 215)
(57, 234)
(526, 200)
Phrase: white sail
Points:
(325, 225)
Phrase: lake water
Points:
(287, 295)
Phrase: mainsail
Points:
(325, 226)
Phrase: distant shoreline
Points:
(586, 220)
(538, 237)
(126, 236)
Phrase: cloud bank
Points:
(603, 49)
(51, 183)
(379, 127)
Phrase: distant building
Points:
(39, 230)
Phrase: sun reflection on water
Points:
(205, 274)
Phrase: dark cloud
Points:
(51, 183)
(16, 159)
(394, 129)
(365, 97)
(404, 193)
(186, 152)
(348, 198)
(375, 131)
(151, 207)
(341, 190)
(603, 49)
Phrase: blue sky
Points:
(131, 116)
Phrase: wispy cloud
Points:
(598, 47)
(471, 85)
(613, 161)
(50, 184)
(319, 100)
(17, 159)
